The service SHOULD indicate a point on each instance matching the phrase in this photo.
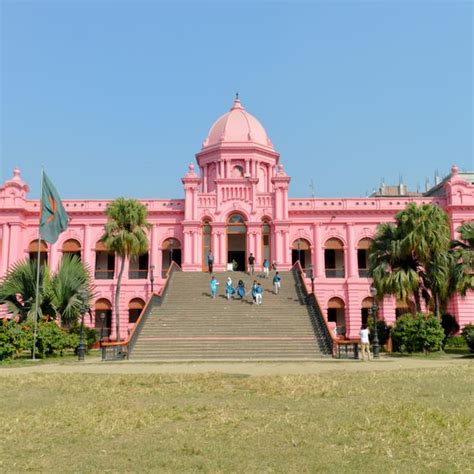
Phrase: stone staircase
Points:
(190, 325)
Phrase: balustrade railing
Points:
(138, 274)
(104, 274)
(122, 349)
(335, 273)
(337, 346)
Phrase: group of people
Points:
(251, 263)
(256, 291)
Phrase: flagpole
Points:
(38, 268)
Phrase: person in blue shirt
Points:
(254, 291)
(258, 294)
(241, 290)
(214, 284)
(266, 268)
(229, 289)
(276, 283)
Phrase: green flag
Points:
(53, 218)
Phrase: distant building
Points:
(236, 203)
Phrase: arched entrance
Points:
(171, 252)
(236, 240)
(266, 242)
(301, 250)
(103, 317)
(337, 314)
(206, 243)
(135, 307)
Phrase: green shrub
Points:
(383, 331)
(13, 339)
(90, 335)
(468, 334)
(419, 333)
(455, 342)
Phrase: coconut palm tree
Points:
(125, 235)
(462, 260)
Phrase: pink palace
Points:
(236, 203)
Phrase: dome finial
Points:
(236, 104)
(236, 96)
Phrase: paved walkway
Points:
(250, 368)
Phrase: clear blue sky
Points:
(115, 97)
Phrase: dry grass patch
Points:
(397, 421)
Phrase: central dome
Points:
(237, 126)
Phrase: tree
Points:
(125, 235)
(412, 257)
(60, 294)
(68, 287)
(18, 290)
(462, 260)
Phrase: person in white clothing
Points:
(364, 342)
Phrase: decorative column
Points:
(5, 248)
(319, 251)
(87, 248)
(351, 255)
(54, 256)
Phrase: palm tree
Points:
(60, 294)
(125, 235)
(18, 290)
(462, 260)
(71, 289)
(412, 256)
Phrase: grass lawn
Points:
(386, 421)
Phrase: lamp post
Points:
(103, 349)
(311, 276)
(81, 350)
(373, 293)
(152, 276)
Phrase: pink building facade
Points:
(235, 203)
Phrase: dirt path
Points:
(249, 368)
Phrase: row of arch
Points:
(336, 311)
(105, 260)
(103, 314)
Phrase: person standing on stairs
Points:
(214, 284)
(276, 283)
(259, 293)
(251, 264)
(241, 290)
(254, 291)
(266, 268)
(229, 289)
(210, 261)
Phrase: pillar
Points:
(319, 251)
(351, 254)
(5, 248)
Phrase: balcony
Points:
(138, 274)
(104, 274)
(335, 273)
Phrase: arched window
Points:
(337, 314)
(171, 252)
(365, 309)
(363, 257)
(334, 258)
(138, 267)
(237, 172)
(72, 247)
(33, 251)
(103, 317)
(135, 307)
(301, 251)
(104, 262)
(266, 241)
(404, 307)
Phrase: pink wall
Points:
(215, 195)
